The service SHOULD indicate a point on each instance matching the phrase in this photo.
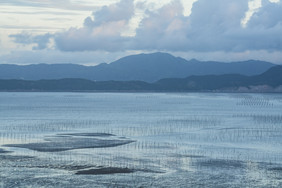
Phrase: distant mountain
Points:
(143, 67)
(269, 81)
(272, 77)
(153, 67)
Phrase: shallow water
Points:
(140, 140)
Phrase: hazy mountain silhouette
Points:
(266, 82)
(143, 67)
(272, 78)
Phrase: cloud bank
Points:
(212, 26)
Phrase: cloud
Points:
(213, 23)
(85, 5)
(123, 10)
(206, 29)
(212, 26)
(102, 32)
(263, 31)
(26, 57)
(40, 41)
(269, 16)
(162, 30)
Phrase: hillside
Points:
(269, 81)
(266, 81)
(143, 67)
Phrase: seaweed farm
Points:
(140, 140)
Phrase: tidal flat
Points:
(140, 140)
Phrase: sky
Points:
(90, 32)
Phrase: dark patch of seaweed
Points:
(88, 134)
(276, 169)
(217, 163)
(15, 158)
(188, 156)
(2, 151)
(106, 170)
(74, 141)
(112, 170)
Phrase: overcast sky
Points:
(94, 31)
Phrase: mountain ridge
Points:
(143, 67)
(269, 81)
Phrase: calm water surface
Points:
(140, 140)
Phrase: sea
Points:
(76, 139)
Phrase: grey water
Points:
(140, 140)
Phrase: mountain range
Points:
(143, 67)
(269, 81)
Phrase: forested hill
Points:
(269, 81)
(143, 67)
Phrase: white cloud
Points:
(39, 20)
(218, 26)
(187, 6)
(160, 28)
(123, 10)
(274, 1)
(103, 31)
(81, 5)
(254, 6)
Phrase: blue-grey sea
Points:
(140, 140)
